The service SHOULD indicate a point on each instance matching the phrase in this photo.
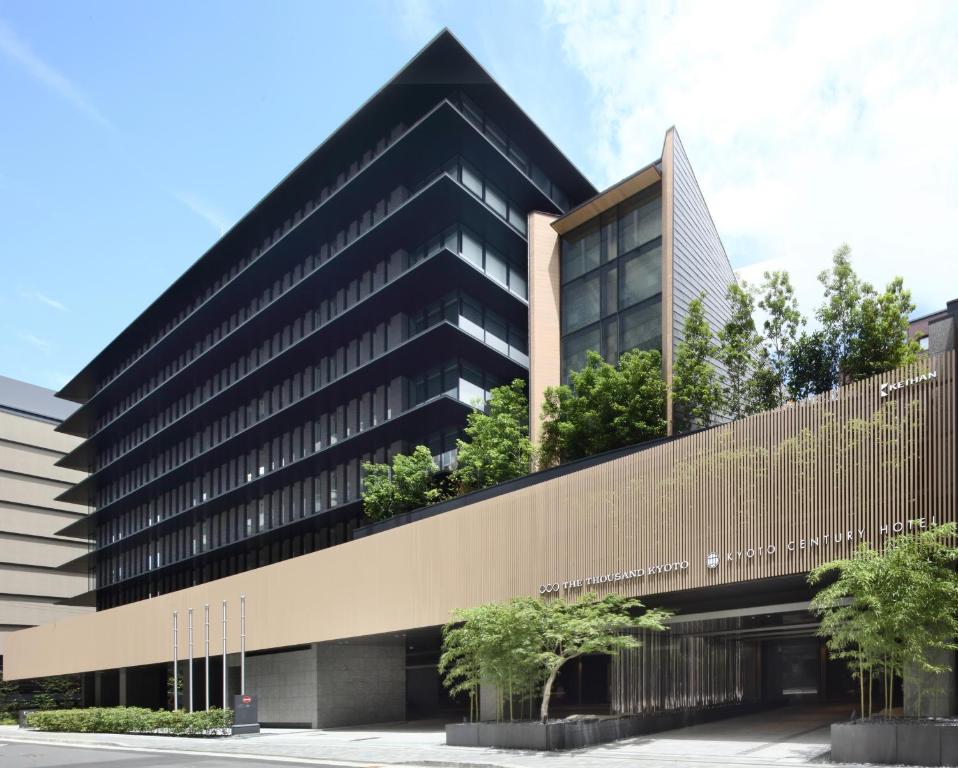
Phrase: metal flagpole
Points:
(242, 645)
(176, 664)
(206, 641)
(190, 613)
(225, 705)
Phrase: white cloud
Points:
(209, 213)
(37, 343)
(44, 299)
(18, 50)
(808, 124)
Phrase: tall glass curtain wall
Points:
(611, 272)
(229, 408)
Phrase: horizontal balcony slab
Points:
(439, 135)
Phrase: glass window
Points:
(609, 290)
(496, 267)
(471, 248)
(471, 179)
(641, 327)
(470, 317)
(496, 200)
(610, 242)
(577, 345)
(641, 277)
(580, 303)
(517, 218)
(610, 340)
(580, 251)
(517, 282)
(650, 221)
(496, 332)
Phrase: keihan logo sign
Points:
(887, 387)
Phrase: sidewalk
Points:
(792, 736)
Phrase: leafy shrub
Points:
(216, 722)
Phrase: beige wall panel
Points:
(668, 253)
(545, 347)
(43, 552)
(32, 521)
(35, 432)
(31, 612)
(35, 492)
(770, 495)
(19, 580)
(39, 462)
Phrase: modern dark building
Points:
(360, 308)
(434, 246)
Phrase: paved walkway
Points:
(786, 736)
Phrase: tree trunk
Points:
(861, 685)
(547, 693)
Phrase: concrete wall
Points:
(285, 686)
(30, 550)
(361, 683)
(331, 684)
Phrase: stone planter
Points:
(903, 742)
(577, 732)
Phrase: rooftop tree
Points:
(696, 387)
(497, 447)
(408, 483)
(604, 407)
(781, 326)
(738, 350)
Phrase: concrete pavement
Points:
(786, 736)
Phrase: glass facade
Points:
(611, 271)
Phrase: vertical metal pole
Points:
(206, 642)
(242, 645)
(176, 664)
(190, 614)
(225, 705)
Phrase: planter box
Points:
(906, 742)
(577, 732)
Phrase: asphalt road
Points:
(15, 755)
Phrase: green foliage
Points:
(604, 407)
(739, 351)
(58, 691)
(498, 446)
(522, 644)
(10, 698)
(133, 720)
(408, 484)
(890, 608)
(865, 332)
(810, 367)
(781, 326)
(696, 388)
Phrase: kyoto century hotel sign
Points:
(814, 541)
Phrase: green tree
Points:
(887, 609)
(520, 645)
(738, 351)
(498, 447)
(696, 389)
(10, 698)
(866, 332)
(781, 325)
(810, 366)
(881, 340)
(591, 625)
(410, 482)
(764, 386)
(603, 407)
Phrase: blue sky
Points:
(134, 133)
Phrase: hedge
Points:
(216, 722)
